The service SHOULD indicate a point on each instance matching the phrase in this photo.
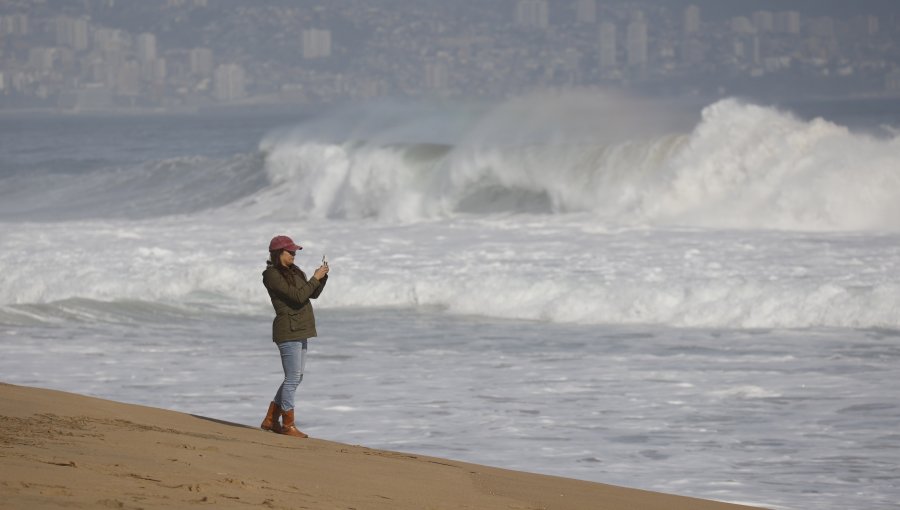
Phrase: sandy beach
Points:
(60, 449)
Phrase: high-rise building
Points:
(146, 47)
(437, 75)
(80, 34)
(111, 40)
(154, 71)
(532, 13)
(42, 59)
(228, 82)
(608, 45)
(787, 22)
(72, 32)
(636, 41)
(742, 25)
(586, 11)
(821, 27)
(14, 24)
(870, 25)
(571, 60)
(316, 43)
(128, 80)
(201, 60)
(764, 21)
(746, 48)
(691, 20)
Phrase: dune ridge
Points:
(63, 450)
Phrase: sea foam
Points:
(579, 218)
(741, 166)
(518, 267)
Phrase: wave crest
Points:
(741, 166)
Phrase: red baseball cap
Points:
(283, 243)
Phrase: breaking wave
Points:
(741, 166)
(626, 162)
(566, 207)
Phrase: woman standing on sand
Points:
(294, 324)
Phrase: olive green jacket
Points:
(294, 319)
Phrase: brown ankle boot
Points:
(287, 427)
(271, 420)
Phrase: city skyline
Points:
(187, 54)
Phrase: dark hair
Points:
(275, 257)
(275, 260)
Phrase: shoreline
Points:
(64, 449)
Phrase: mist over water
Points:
(742, 166)
(624, 161)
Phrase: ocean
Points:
(700, 300)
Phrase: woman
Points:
(294, 324)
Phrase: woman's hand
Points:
(321, 272)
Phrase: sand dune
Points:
(61, 450)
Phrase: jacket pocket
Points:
(296, 322)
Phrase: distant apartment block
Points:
(316, 43)
(201, 61)
(72, 32)
(42, 60)
(821, 27)
(636, 44)
(869, 25)
(532, 13)
(14, 24)
(608, 47)
(586, 11)
(128, 79)
(437, 75)
(146, 47)
(154, 71)
(111, 40)
(764, 21)
(742, 25)
(229, 82)
(787, 22)
(692, 20)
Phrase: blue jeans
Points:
(293, 361)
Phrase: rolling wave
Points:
(742, 166)
(625, 162)
(174, 186)
(533, 267)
